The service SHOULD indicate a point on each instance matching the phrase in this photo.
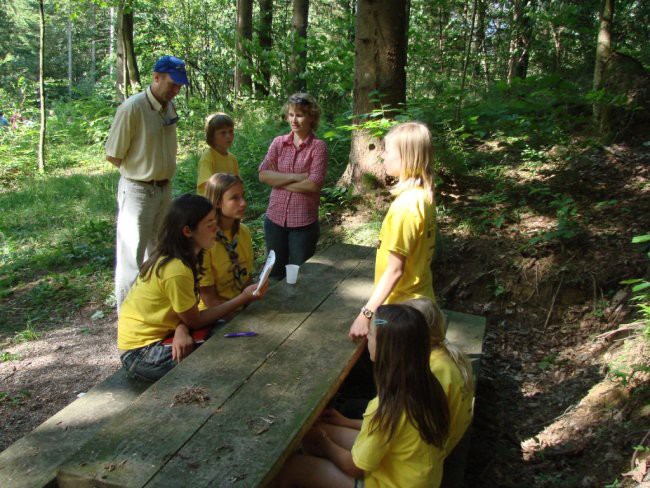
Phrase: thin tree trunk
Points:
(111, 40)
(521, 40)
(122, 71)
(93, 53)
(480, 66)
(69, 37)
(41, 87)
(129, 48)
(244, 37)
(603, 50)
(266, 44)
(299, 23)
(379, 78)
(468, 51)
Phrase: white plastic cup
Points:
(292, 273)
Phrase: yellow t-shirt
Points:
(150, 311)
(460, 400)
(211, 162)
(409, 229)
(218, 266)
(406, 461)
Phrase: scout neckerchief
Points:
(238, 272)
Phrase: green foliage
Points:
(14, 400)
(567, 226)
(334, 200)
(9, 356)
(641, 290)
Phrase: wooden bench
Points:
(33, 460)
(256, 396)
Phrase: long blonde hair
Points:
(413, 142)
(438, 329)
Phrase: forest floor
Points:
(558, 403)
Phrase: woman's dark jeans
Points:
(292, 245)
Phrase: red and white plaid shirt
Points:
(288, 208)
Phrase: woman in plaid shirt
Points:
(295, 167)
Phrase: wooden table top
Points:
(234, 410)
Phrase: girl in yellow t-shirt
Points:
(401, 440)
(407, 236)
(219, 135)
(163, 301)
(229, 262)
(452, 369)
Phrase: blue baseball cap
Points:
(174, 66)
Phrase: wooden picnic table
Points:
(233, 411)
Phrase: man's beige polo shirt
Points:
(143, 138)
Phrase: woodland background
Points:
(539, 111)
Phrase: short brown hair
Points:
(214, 122)
(307, 103)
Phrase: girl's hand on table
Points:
(182, 344)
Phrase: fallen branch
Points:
(645, 438)
(550, 311)
(623, 328)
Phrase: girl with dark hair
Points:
(163, 301)
(229, 263)
(295, 167)
(401, 440)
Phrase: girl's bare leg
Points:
(312, 472)
(343, 436)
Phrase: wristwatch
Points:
(367, 313)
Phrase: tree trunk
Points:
(122, 70)
(480, 66)
(468, 50)
(111, 40)
(379, 79)
(129, 48)
(266, 44)
(244, 37)
(521, 38)
(603, 50)
(298, 64)
(93, 52)
(69, 37)
(41, 87)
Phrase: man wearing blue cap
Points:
(142, 145)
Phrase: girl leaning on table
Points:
(163, 301)
(407, 235)
(401, 440)
(229, 262)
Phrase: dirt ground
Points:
(549, 411)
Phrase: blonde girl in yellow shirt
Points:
(401, 440)
(407, 236)
(454, 372)
(219, 135)
(163, 301)
(229, 262)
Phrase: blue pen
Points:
(240, 334)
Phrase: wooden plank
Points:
(133, 446)
(32, 461)
(256, 430)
